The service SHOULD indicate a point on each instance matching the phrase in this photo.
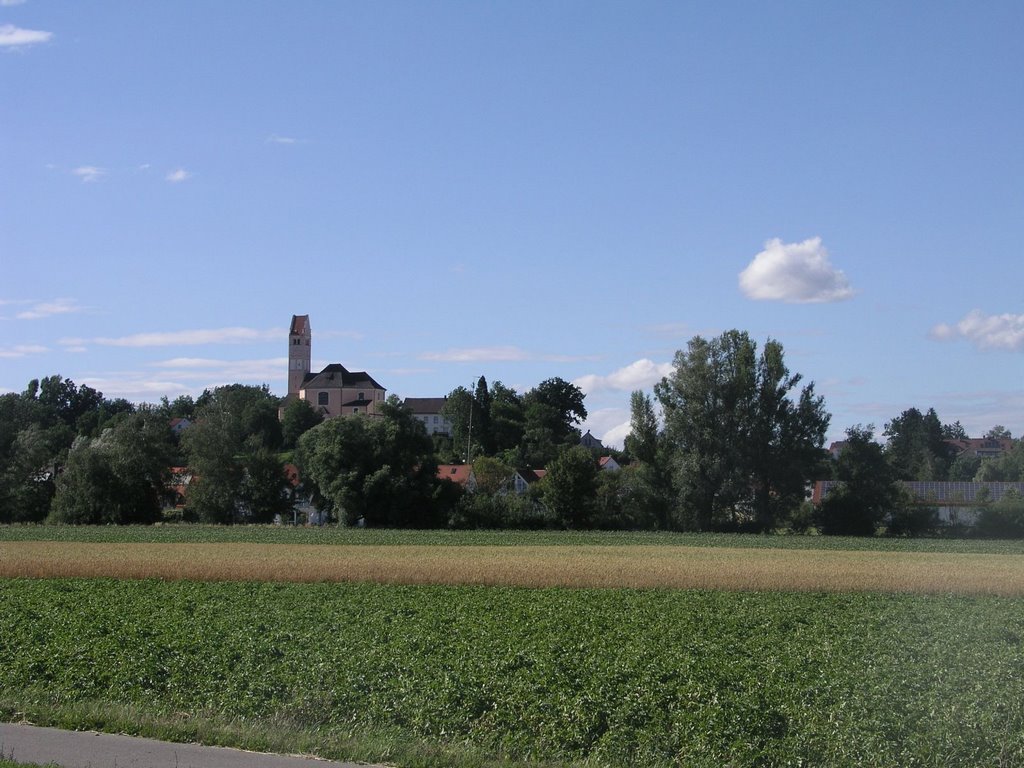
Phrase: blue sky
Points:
(517, 189)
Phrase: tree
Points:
(458, 409)
(569, 488)
(214, 446)
(1006, 468)
(916, 446)
(226, 446)
(33, 445)
(1003, 519)
(264, 489)
(739, 447)
(642, 441)
(650, 483)
(785, 441)
(998, 432)
(299, 417)
(68, 400)
(482, 416)
(869, 491)
(557, 405)
(117, 477)
(379, 470)
(507, 419)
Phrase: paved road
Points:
(87, 749)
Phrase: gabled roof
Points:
(300, 325)
(425, 404)
(336, 376)
(531, 476)
(974, 445)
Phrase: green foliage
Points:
(869, 492)
(378, 470)
(298, 418)
(1003, 519)
(609, 677)
(229, 449)
(740, 448)
(917, 447)
(117, 477)
(507, 418)
(627, 499)
(569, 489)
(1006, 468)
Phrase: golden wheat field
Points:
(674, 567)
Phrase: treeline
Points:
(731, 440)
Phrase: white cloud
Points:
(50, 308)
(476, 354)
(639, 375)
(177, 176)
(22, 350)
(89, 172)
(796, 273)
(13, 37)
(184, 338)
(275, 139)
(1005, 331)
(11, 2)
(610, 425)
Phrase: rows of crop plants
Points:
(265, 534)
(609, 677)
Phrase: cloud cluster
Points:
(15, 37)
(171, 338)
(22, 350)
(641, 374)
(796, 273)
(1005, 331)
(50, 308)
(88, 173)
(477, 354)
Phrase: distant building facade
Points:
(428, 410)
(334, 391)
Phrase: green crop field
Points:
(429, 675)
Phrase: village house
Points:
(428, 411)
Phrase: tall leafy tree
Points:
(649, 483)
(739, 445)
(552, 411)
(916, 446)
(459, 409)
(869, 490)
(507, 420)
(707, 402)
(379, 470)
(117, 477)
(784, 448)
(569, 489)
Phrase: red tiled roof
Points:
(457, 473)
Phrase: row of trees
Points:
(729, 440)
(522, 430)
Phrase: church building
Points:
(335, 391)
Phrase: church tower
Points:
(299, 353)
